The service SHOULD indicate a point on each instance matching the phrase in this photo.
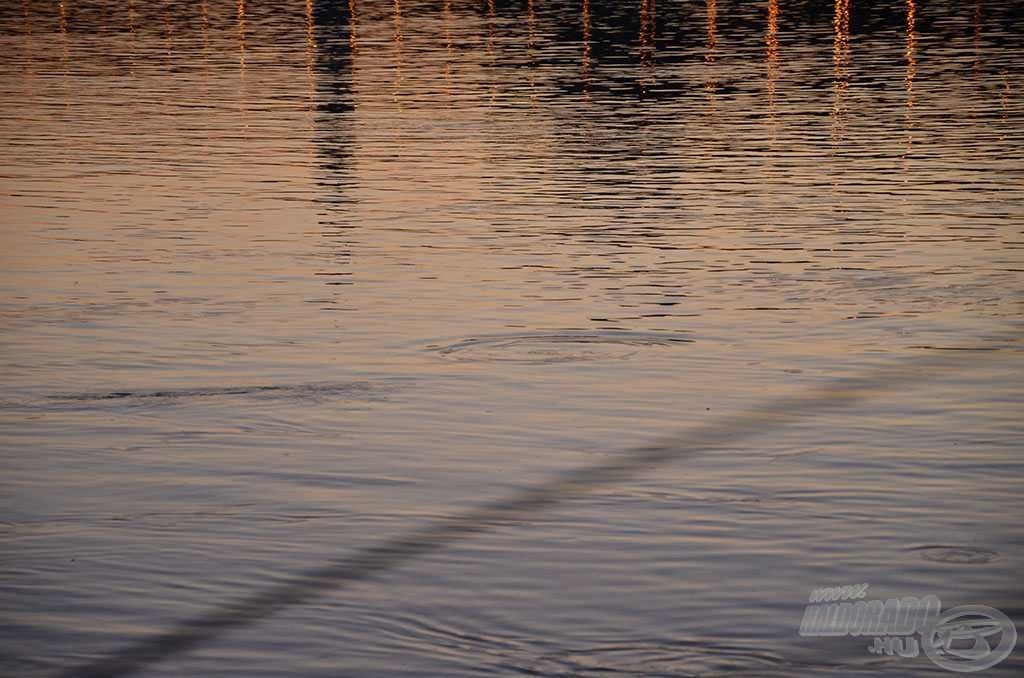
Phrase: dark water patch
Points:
(956, 555)
(558, 347)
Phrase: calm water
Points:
(281, 279)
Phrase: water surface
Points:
(280, 279)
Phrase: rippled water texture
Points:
(281, 279)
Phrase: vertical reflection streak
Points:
(531, 44)
(647, 43)
(28, 55)
(62, 6)
(449, 46)
(1004, 103)
(712, 31)
(353, 37)
(204, 11)
(490, 28)
(585, 64)
(310, 55)
(398, 40)
(131, 16)
(710, 49)
(911, 53)
(840, 64)
(772, 58)
(531, 19)
(977, 38)
(243, 112)
(490, 51)
(241, 38)
(911, 56)
(131, 36)
(168, 33)
(645, 31)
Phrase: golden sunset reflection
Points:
(772, 55)
(710, 47)
(311, 48)
(911, 57)
(585, 63)
(398, 42)
(647, 29)
(841, 57)
(490, 49)
(911, 52)
(353, 23)
(241, 37)
(711, 41)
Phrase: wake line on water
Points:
(365, 563)
(282, 389)
(363, 391)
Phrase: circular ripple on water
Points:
(558, 347)
(956, 555)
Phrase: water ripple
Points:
(558, 347)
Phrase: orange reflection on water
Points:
(710, 84)
(310, 53)
(531, 41)
(310, 36)
(241, 36)
(398, 40)
(840, 62)
(204, 11)
(28, 31)
(449, 46)
(353, 38)
(531, 19)
(64, 50)
(490, 50)
(712, 31)
(490, 27)
(647, 32)
(911, 52)
(586, 37)
(28, 53)
(131, 15)
(977, 36)
(168, 32)
(911, 55)
(772, 54)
